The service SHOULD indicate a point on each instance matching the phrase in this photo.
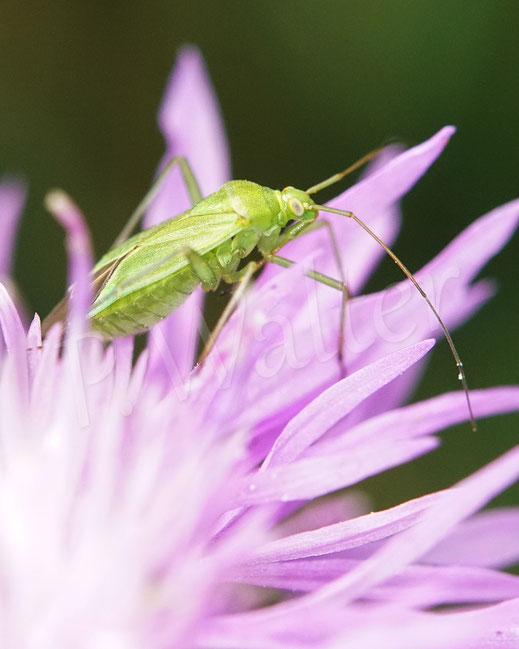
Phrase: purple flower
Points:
(147, 505)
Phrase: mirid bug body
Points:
(145, 277)
(152, 273)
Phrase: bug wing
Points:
(60, 312)
(159, 252)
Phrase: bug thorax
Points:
(296, 205)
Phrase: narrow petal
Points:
(462, 501)
(319, 513)
(446, 279)
(34, 345)
(382, 322)
(416, 586)
(12, 199)
(374, 200)
(80, 261)
(192, 126)
(336, 402)
(425, 417)
(401, 173)
(278, 627)
(491, 627)
(16, 366)
(10, 323)
(376, 324)
(476, 245)
(399, 315)
(47, 377)
(316, 476)
(488, 539)
(348, 534)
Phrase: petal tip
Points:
(14, 186)
(447, 131)
(443, 136)
(189, 53)
(189, 68)
(427, 344)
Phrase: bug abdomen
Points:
(142, 309)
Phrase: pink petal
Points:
(425, 417)
(34, 345)
(16, 362)
(276, 627)
(80, 262)
(390, 182)
(336, 402)
(192, 126)
(492, 627)
(348, 534)
(446, 279)
(46, 376)
(12, 199)
(383, 322)
(464, 257)
(393, 329)
(416, 586)
(488, 539)
(315, 476)
(373, 199)
(376, 325)
(467, 497)
(319, 513)
(10, 324)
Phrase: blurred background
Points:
(305, 88)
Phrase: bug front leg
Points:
(243, 276)
(228, 256)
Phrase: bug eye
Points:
(296, 207)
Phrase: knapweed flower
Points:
(144, 505)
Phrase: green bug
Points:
(145, 277)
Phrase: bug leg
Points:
(202, 270)
(291, 234)
(346, 294)
(191, 184)
(327, 281)
(243, 277)
(228, 255)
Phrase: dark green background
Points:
(305, 88)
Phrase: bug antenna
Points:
(409, 275)
(336, 177)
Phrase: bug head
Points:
(298, 204)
